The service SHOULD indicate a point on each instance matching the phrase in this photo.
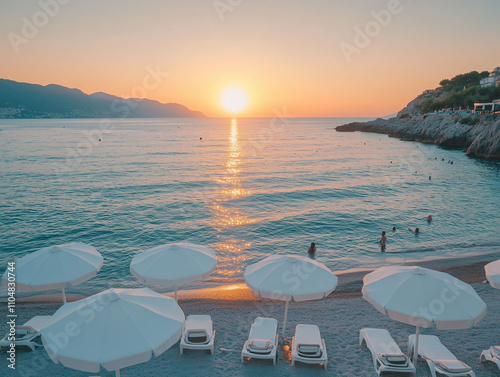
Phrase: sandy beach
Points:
(339, 317)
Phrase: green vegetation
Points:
(457, 96)
(469, 120)
(467, 79)
(404, 116)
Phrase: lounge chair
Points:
(27, 334)
(439, 358)
(308, 346)
(198, 334)
(386, 354)
(492, 354)
(262, 341)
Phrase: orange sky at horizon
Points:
(282, 55)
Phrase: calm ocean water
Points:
(247, 188)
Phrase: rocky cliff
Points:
(478, 140)
(414, 106)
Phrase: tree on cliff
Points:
(465, 79)
(461, 91)
(461, 98)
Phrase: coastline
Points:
(468, 268)
(480, 140)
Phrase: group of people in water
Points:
(383, 239)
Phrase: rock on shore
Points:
(480, 140)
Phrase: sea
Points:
(245, 187)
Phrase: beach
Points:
(340, 316)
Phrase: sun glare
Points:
(233, 100)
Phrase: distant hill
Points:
(23, 100)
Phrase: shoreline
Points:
(481, 140)
(470, 269)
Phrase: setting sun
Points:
(233, 100)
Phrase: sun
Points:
(233, 100)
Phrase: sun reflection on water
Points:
(230, 182)
(226, 216)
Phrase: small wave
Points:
(165, 153)
(458, 247)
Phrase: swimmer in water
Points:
(417, 231)
(382, 241)
(312, 248)
(429, 218)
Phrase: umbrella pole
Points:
(117, 373)
(175, 288)
(415, 347)
(284, 322)
(64, 295)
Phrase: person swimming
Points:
(382, 241)
(429, 218)
(312, 248)
(416, 230)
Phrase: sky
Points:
(314, 58)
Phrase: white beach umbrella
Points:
(422, 297)
(290, 277)
(55, 267)
(174, 264)
(114, 329)
(492, 271)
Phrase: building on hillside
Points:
(487, 107)
(487, 81)
(492, 80)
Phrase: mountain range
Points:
(23, 100)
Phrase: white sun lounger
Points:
(262, 341)
(492, 354)
(308, 346)
(198, 334)
(27, 334)
(386, 354)
(439, 358)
